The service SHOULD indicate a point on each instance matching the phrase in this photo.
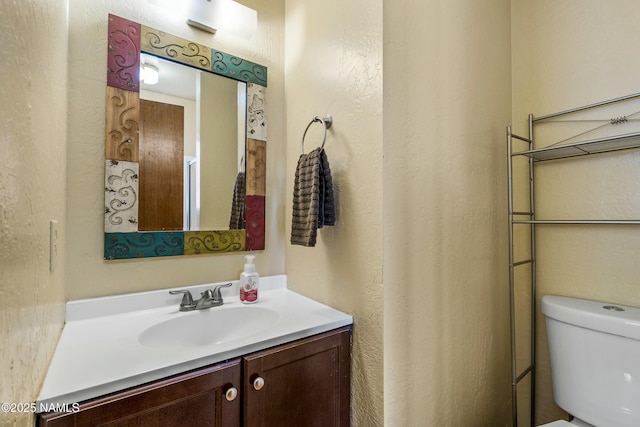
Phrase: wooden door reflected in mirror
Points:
(161, 157)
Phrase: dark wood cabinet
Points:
(197, 398)
(305, 383)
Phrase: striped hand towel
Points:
(313, 202)
(237, 220)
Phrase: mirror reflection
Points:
(192, 145)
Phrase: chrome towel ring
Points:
(326, 123)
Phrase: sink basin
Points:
(209, 327)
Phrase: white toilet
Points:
(594, 349)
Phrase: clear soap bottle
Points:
(249, 281)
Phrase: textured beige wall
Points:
(566, 54)
(447, 92)
(32, 191)
(334, 67)
(88, 274)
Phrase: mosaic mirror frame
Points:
(122, 239)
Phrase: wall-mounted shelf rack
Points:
(594, 146)
(528, 218)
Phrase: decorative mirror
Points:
(185, 166)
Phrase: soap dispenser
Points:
(249, 281)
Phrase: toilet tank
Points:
(594, 348)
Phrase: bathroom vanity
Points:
(289, 362)
(305, 382)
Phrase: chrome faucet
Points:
(209, 298)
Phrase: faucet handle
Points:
(208, 294)
(187, 300)
(217, 296)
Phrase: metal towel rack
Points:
(326, 123)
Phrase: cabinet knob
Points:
(231, 394)
(258, 383)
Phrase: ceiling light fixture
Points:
(149, 74)
(224, 15)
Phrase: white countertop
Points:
(99, 350)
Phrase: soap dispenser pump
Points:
(249, 281)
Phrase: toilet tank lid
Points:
(599, 316)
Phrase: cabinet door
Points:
(197, 398)
(304, 384)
